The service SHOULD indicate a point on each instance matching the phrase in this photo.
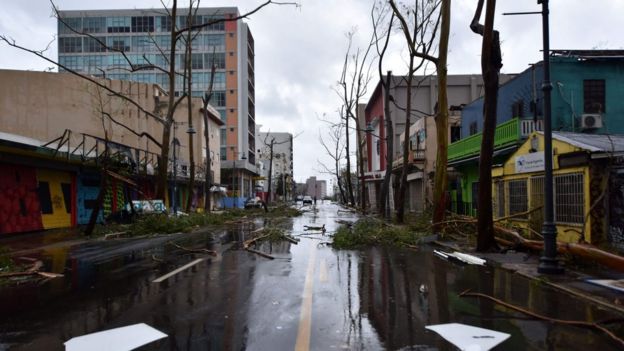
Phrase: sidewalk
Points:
(23, 243)
(572, 282)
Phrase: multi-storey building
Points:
(282, 168)
(143, 35)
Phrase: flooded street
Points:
(309, 297)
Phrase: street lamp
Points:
(174, 201)
(548, 262)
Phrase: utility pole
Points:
(548, 262)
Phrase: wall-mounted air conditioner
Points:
(591, 121)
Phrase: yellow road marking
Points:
(305, 318)
(323, 271)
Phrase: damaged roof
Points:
(592, 142)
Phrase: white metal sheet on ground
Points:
(609, 283)
(467, 337)
(118, 339)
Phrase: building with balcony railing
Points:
(586, 98)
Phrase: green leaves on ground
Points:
(370, 231)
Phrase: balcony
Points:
(507, 133)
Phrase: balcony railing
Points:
(507, 133)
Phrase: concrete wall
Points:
(42, 105)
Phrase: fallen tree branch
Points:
(205, 251)
(32, 270)
(520, 214)
(582, 324)
(260, 253)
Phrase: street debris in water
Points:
(469, 338)
(118, 339)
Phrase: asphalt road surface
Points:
(310, 297)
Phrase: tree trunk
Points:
(163, 160)
(490, 66)
(361, 170)
(208, 175)
(399, 203)
(348, 157)
(441, 121)
(385, 188)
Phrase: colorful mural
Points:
(19, 204)
(56, 196)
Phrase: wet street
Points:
(310, 297)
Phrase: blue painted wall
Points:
(567, 75)
(87, 193)
(520, 87)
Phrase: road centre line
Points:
(305, 318)
(176, 271)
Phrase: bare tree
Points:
(270, 144)
(424, 14)
(382, 202)
(491, 63)
(334, 148)
(353, 84)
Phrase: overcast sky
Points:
(299, 51)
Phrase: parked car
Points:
(307, 200)
(299, 198)
(254, 202)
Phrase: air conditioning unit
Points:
(591, 121)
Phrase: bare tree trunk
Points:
(491, 62)
(206, 101)
(362, 189)
(399, 203)
(385, 188)
(163, 160)
(348, 157)
(441, 121)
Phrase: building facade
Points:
(282, 167)
(461, 89)
(53, 130)
(143, 36)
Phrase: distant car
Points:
(254, 202)
(307, 200)
(299, 198)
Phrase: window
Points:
(569, 198)
(218, 98)
(93, 62)
(455, 133)
(45, 200)
(118, 24)
(216, 41)
(594, 96)
(163, 24)
(92, 45)
(218, 26)
(94, 24)
(72, 23)
(222, 153)
(217, 58)
(473, 128)
(142, 44)
(142, 24)
(119, 43)
(223, 138)
(500, 199)
(517, 196)
(197, 61)
(71, 44)
(72, 62)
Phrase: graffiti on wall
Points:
(19, 199)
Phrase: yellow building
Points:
(588, 183)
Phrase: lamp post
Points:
(174, 201)
(548, 262)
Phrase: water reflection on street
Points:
(373, 299)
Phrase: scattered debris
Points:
(34, 269)
(114, 235)
(120, 339)
(204, 251)
(460, 257)
(467, 337)
(583, 324)
(608, 283)
(309, 227)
